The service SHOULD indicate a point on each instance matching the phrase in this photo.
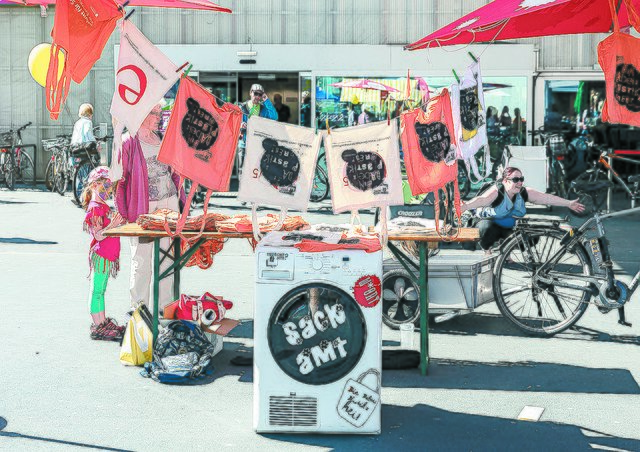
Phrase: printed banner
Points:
(201, 138)
(619, 57)
(364, 166)
(469, 118)
(429, 145)
(143, 76)
(279, 164)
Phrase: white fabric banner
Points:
(364, 166)
(469, 118)
(279, 164)
(143, 76)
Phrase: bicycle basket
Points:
(6, 139)
(557, 145)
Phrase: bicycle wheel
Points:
(559, 179)
(80, 179)
(320, 188)
(61, 180)
(464, 183)
(400, 299)
(534, 307)
(9, 171)
(48, 176)
(25, 173)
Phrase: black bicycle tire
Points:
(48, 176)
(499, 267)
(60, 180)
(464, 182)
(74, 188)
(323, 177)
(413, 306)
(20, 171)
(9, 171)
(585, 179)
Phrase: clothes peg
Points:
(475, 60)
(129, 14)
(182, 67)
(188, 69)
(455, 75)
(328, 128)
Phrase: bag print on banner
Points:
(279, 165)
(363, 163)
(469, 119)
(200, 142)
(619, 57)
(429, 145)
(143, 76)
(81, 28)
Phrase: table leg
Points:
(177, 246)
(156, 286)
(424, 307)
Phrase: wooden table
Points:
(422, 237)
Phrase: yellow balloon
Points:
(39, 58)
(355, 100)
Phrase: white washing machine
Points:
(318, 339)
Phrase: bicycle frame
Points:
(600, 257)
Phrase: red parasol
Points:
(514, 19)
(184, 4)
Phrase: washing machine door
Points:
(317, 333)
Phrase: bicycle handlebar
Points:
(24, 126)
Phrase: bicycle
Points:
(547, 275)
(594, 185)
(557, 151)
(50, 145)
(320, 188)
(86, 157)
(20, 162)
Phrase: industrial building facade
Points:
(293, 47)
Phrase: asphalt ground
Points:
(61, 391)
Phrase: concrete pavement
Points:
(62, 391)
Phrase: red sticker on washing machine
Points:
(367, 291)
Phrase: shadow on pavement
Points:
(497, 325)
(23, 241)
(525, 376)
(243, 330)
(423, 427)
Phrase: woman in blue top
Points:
(504, 203)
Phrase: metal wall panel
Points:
(357, 22)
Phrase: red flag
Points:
(201, 138)
(81, 28)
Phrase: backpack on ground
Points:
(182, 354)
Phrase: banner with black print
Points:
(364, 166)
(279, 164)
(470, 119)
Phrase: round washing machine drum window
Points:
(317, 333)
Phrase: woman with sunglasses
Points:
(503, 203)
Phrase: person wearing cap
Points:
(258, 104)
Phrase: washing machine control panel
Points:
(276, 265)
(326, 263)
